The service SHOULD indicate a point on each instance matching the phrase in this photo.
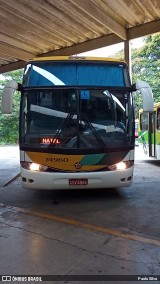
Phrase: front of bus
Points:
(76, 124)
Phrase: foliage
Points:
(9, 123)
(146, 67)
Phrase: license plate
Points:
(79, 181)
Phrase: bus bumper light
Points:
(126, 179)
(130, 178)
(27, 180)
(24, 179)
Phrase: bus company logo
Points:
(78, 165)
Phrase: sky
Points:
(112, 49)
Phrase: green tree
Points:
(146, 67)
(9, 123)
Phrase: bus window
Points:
(158, 118)
(149, 126)
(144, 121)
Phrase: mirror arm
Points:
(19, 87)
(134, 89)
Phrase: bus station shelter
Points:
(30, 29)
(70, 233)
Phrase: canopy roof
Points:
(31, 28)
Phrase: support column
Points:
(127, 56)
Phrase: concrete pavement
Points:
(93, 232)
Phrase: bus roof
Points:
(50, 58)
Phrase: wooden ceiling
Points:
(31, 28)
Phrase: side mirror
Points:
(7, 97)
(147, 95)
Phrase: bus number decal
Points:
(55, 160)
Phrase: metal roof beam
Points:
(144, 29)
(86, 46)
(15, 52)
(97, 14)
(12, 66)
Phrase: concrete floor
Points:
(96, 234)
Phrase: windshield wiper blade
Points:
(95, 133)
(61, 129)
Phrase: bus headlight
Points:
(121, 166)
(33, 167)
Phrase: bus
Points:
(76, 127)
(149, 132)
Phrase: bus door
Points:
(151, 134)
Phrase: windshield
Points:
(79, 73)
(76, 119)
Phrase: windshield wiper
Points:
(61, 129)
(95, 133)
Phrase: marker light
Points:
(34, 167)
